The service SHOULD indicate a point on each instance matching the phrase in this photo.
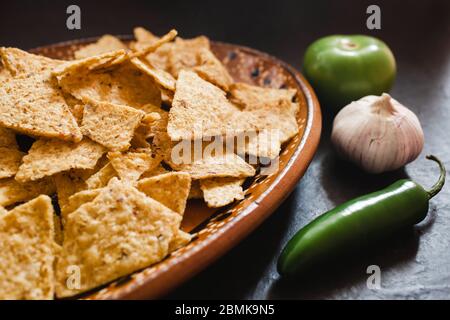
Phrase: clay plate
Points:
(218, 230)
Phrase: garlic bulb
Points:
(377, 133)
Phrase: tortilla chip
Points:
(130, 166)
(144, 36)
(219, 192)
(121, 84)
(155, 172)
(199, 110)
(120, 232)
(212, 166)
(212, 70)
(102, 177)
(183, 55)
(3, 211)
(106, 43)
(110, 125)
(9, 161)
(153, 46)
(170, 189)
(31, 101)
(27, 251)
(47, 157)
(67, 184)
(195, 192)
(272, 109)
(12, 192)
(181, 239)
(265, 144)
(159, 58)
(163, 78)
(7, 138)
(77, 200)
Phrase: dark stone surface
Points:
(415, 264)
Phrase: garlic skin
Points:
(378, 134)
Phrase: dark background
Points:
(415, 264)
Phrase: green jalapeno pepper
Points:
(358, 223)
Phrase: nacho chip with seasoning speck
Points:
(77, 200)
(130, 166)
(27, 251)
(171, 189)
(106, 43)
(181, 239)
(163, 78)
(47, 157)
(12, 192)
(121, 83)
(67, 184)
(200, 109)
(212, 70)
(120, 232)
(31, 101)
(111, 125)
(219, 192)
(102, 177)
(183, 55)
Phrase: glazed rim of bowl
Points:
(156, 284)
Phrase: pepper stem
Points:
(440, 183)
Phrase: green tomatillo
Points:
(343, 68)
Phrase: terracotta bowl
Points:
(218, 230)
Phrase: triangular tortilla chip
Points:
(31, 101)
(10, 160)
(143, 36)
(102, 177)
(27, 251)
(171, 189)
(159, 58)
(121, 83)
(77, 200)
(106, 43)
(273, 109)
(163, 78)
(153, 46)
(200, 109)
(120, 232)
(47, 157)
(155, 172)
(181, 239)
(110, 124)
(67, 184)
(213, 165)
(265, 144)
(183, 55)
(212, 70)
(12, 192)
(130, 166)
(219, 192)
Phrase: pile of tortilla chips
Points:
(105, 127)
